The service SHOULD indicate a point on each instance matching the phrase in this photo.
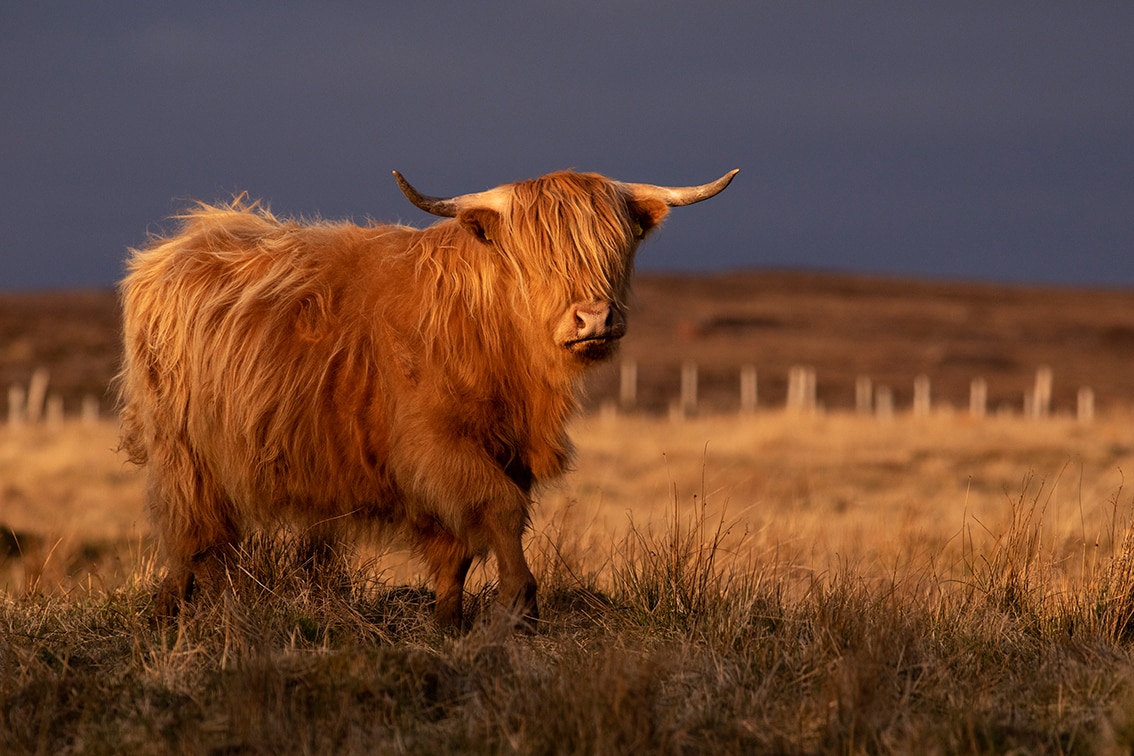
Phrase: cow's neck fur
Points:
(487, 341)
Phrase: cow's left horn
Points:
(675, 196)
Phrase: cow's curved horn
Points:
(675, 196)
(449, 207)
(446, 207)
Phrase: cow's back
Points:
(257, 347)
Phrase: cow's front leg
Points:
(482, 503)
(503, 528)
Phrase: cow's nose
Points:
(598, 320)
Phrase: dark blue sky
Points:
(979, 140)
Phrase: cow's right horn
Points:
(448, 207)
(675, 196)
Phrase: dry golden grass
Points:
(776, 583)
(71, 503)
(827, 488)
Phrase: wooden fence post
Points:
(37, 395)
(801, 389)
(978, 397)
(689, 388)
(921, 397)
(1040, 399)
(863, 395)
(1086, 408)
(748, 389)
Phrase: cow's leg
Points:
(449, 562)
(476, 499)
(194, 525)
(503, 528)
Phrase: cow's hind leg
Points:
(183, 575)
(449, 562)
(196, 530)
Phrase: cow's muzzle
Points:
(594, 328)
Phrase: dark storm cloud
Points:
(982, 140)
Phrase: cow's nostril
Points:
(591, 320)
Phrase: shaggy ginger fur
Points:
(417, 380)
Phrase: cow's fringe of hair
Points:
(581, 219)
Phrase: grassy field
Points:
(774, 583)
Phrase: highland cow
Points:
(419, 380)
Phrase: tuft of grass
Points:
(673, 579)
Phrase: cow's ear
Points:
(481, 223)
(646, 214)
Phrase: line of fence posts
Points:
(35, 406)
(869, 399)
